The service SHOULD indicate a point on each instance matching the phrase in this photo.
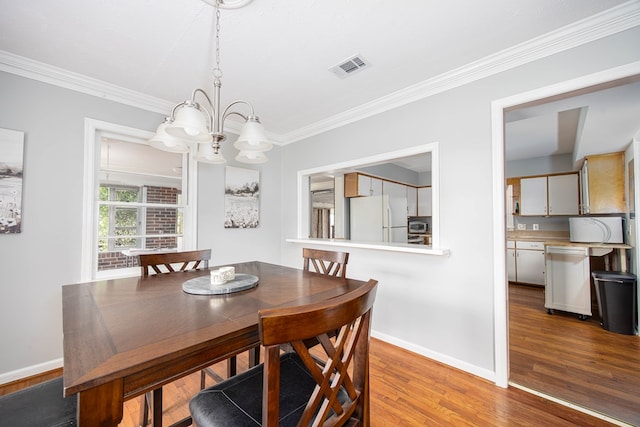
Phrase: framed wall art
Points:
(241, 198)
(11, 165)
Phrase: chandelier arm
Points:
(175, 108)
(227, 113)
(211, 112)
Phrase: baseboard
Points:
(31, 372)
(571, 405)
(438, 357)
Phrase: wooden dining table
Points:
(124, 337)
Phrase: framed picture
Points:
(11, 164)
(241, 198)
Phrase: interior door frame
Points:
(498, 107)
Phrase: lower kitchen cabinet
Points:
(511, 261)
(568, 285)
(525, 262)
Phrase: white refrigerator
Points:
(378, 219)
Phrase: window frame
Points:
(304, 202)
(94, 131)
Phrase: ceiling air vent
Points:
(349, 66)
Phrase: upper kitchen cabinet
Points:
(424, 201)
(412, 201)
(549, 195)
(603, 184)
(564, 193)
(357, 185)
(533, 194)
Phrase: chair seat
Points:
(237, 402)
(39, 405)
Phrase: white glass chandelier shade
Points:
(165, 142)
(254, 157)
(253, 137)
(190, 124)
(207, 154)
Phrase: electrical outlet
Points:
(522, 226)
(536, 227)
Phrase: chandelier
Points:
(193, 122)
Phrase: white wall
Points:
(443, 306)
(236, 245)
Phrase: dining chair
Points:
(42, 404)
(293, 388)
(163, 262)
(176, 262)
(329, 263)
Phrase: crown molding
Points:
(46, 73)
(606, 23)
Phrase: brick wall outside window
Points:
(159, 221)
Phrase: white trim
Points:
(500, 294)
(433, 355)
(303, 199)
(501, 303)
(46, 73)
(572, 406)
(606, 23)
(29, 371)
(392, 247)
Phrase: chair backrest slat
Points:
(343, 369)
(162, 262)
(329, 263)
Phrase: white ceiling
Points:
(276, 54)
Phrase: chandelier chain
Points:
(217, 72)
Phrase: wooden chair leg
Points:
(203, 379)
(157, 407)
(145, 408)
(232, 366)
(254, 357)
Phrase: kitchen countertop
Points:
(538, 236)
(558, 238)
(587, 245)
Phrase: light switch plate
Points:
(522, 226)
(536, 227)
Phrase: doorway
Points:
(598, 81)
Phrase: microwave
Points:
(418, 227)
(596, 229)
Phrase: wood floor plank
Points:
(573, 360)
(410, 390)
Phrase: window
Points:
(137, 201)
(118, 220)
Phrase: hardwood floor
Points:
(576, 361)
(410, 390)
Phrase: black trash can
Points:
(617, 300)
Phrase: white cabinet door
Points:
(412, 201)
(424, 201)
(530, 262)
(533, 196)
(368, 186)
(568, 282)
(563, 194)
(511, 265)
(397, 194)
